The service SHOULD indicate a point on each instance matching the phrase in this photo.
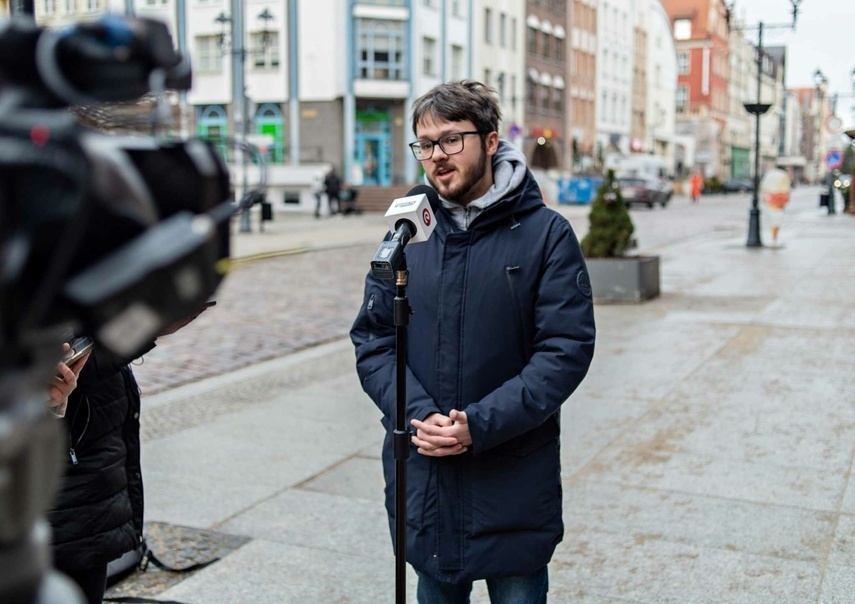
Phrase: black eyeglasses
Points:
(451, 144)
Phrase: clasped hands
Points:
(441, 435)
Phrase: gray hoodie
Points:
(508, 172)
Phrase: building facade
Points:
(702, 103)
(660, 115)
(545, 143)
(582, 81)
(615, 27)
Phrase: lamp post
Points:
(757, 109)
(237, 48)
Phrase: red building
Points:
(701, 37)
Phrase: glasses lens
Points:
(422, 149)
(451, 143)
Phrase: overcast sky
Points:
(824, 39)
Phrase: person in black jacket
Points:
(98, 511)
(502, 333)
(332, 187)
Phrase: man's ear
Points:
(491, 142)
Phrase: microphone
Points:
(411, 220)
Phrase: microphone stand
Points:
(401, 436)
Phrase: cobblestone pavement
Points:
(264, 310)
(272, 307)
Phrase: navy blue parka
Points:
(502, 329)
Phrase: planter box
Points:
(629, 279)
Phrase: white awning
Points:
(558, 82)
(546, 79)
(533, 75)
(546, 27)
(533, 21)
(559, 32)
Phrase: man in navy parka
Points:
(502, 333)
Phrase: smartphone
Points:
(79, 347)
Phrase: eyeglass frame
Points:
(437, 142)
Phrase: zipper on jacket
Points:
(73, 445)
(514, 224)
(370, 304)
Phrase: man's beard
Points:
(468, 178)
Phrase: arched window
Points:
(269, 122)
(212, 124)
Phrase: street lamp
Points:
(237, 48)
(757, 109)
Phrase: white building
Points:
(661, 84)
(498, 58)
(615, 21)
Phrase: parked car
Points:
(639, 189)
(739, 185)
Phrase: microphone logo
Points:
(426, 217)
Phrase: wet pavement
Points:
(707, 457)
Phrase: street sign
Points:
(833, 160)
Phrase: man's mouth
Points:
(443, 171)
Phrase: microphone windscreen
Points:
(417, 208)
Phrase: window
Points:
(558, 99)
(513, 91)
(682, 98)
(546, 41)
(545, 97)
(682, 29)
(265, 53)
(380, 49)
(456, 62)
(429, 56)
(559, 49)
(500, 88)
(212, 124)
(70, 6)
(209, 55)
(503, 30)
(682, 62)
(455, 8)
(531, 91)
(513, 33)
(92, 5)
(488, 26)
(487, 77)
(49, 7)
(532, 40)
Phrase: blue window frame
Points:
(380, 49)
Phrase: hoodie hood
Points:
(509, 171)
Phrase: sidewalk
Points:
(707, 457)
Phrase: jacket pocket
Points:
(516, 488)
(513, 276)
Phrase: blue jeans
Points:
(503, 590)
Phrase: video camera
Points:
(116, 237)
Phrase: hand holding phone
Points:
(79, 348)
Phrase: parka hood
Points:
(512, 183)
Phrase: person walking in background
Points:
(502, 334)
(332, 187)
(697, 185)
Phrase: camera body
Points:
(116, 237)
